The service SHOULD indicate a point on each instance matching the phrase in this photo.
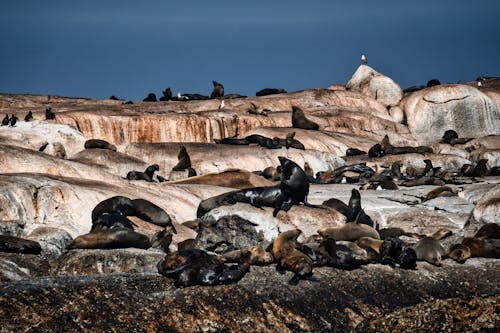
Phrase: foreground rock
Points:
(262, 301)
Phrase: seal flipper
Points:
(295, 279)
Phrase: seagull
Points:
(221, 105)
(363, 59)
(479, 84)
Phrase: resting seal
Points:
(270, 91)
(349, 232)
(14, 244)
(354, 152)
(489, 230)
(115, 238)
(255, 255)
(150, 98)
(429, 249)
(482, 247)
(147, 175)
(110, 221)
(263, 141)
(116, 204)
(149, 212)
(49, 114)
(288, 257)
(299, 120)
(97, 143)
(394, 251)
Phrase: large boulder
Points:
(465, 109)
(368, 81)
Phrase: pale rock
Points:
(487, 209)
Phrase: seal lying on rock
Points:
(352, 210)
(110, 221)
(393, 251)
(451, 137)
(429, 249)
(289, 258)
(349, 232)
(255, 255)
(115, 238)
(98, 143)
(147, 175)
(14, 244)
(196, 267)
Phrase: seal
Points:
(349, 232)
(352, 211)
(150, 98)
(13, 120)
(458, 252)
(451, 137)
(272, 173)
(482, 247)
(389, 149)
(255, 255)
(49, 114)
(110, 221)
(270, 91)
(369, 243)
(258, 111)
(218, 90)
(263, 141)
(117, 204)
(433, 82)
(149, 212)
(393, 251)
(162, 239)
(232, 141)
(29, 116)
(489, 230)
(266, 196)
(289, 258)
(116, 238)
(167, 95)
(294, 183)
(6, 120)
(184, 160)
(14, 244)
(375, 151)
(290, 142)
(98, 143)
(299, 120)
(354, 152)
(429, 249)
(147, 175)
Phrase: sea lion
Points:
(272, 173)
(375, 151)
(270, 91)
(353, 210)
(389, 149)
(116, 238)
(290, 142)
(394, 251)
(218, 90)
(232, 141)
(288, 257)
(233, 273)
(423, 181)
(483, 247)
(354, 152)
(98, 143)
(167, 95)
(150, 98)
(49, 114)
(149, 212)
(429, 249)
(184, 160)
(263, 141)
(112, 220)
(14, 244)
(489, 230)
(162, 239)
(413, 89)
(451, 137)
(255, 255)
(116, 204)
(349, 232)
(267, 196)
(442, 191)
(29, 116)
(458, 252)
(147, 175)
(299, 120)
(13, 120)
(294, 183)
(6, 120)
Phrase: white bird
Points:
(363, 59)
(479, 84)
(221, 106)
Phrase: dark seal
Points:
(98, 143)
(299, 120)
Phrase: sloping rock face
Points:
(462, 108)
(368, 81)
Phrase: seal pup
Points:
(393, 251)
(147, 175)
(429, 249)
(14, 244)
(290, 142)
(49, 114)
(270, 91)
(98, 143)
(459, 252)
(29, 116)
(184, 160)
(442, 191)
(116, 204)
(254, 255)
(218, 90)
(167, 95)
(150, 98)
(299, 120)
(289, 258)
(6, 120)
(115, 238)
(13, 120)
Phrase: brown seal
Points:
(288, 257)
(115, 238)
(255, 255)
(218, 90)
(184, 160)
(489, 230)
(299, 120)
(483, 247)
(370, 243)
(458, 252)
(429, 249)
(349, 232)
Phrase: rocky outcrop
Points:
(375, 85)
(462, 108)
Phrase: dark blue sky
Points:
(129, 48)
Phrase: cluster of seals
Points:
(99, 144)
(49, 114)
(167, 95)
(292, 190)
(147, 175)
(299, 120)
(196, 267)
(260, 140)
